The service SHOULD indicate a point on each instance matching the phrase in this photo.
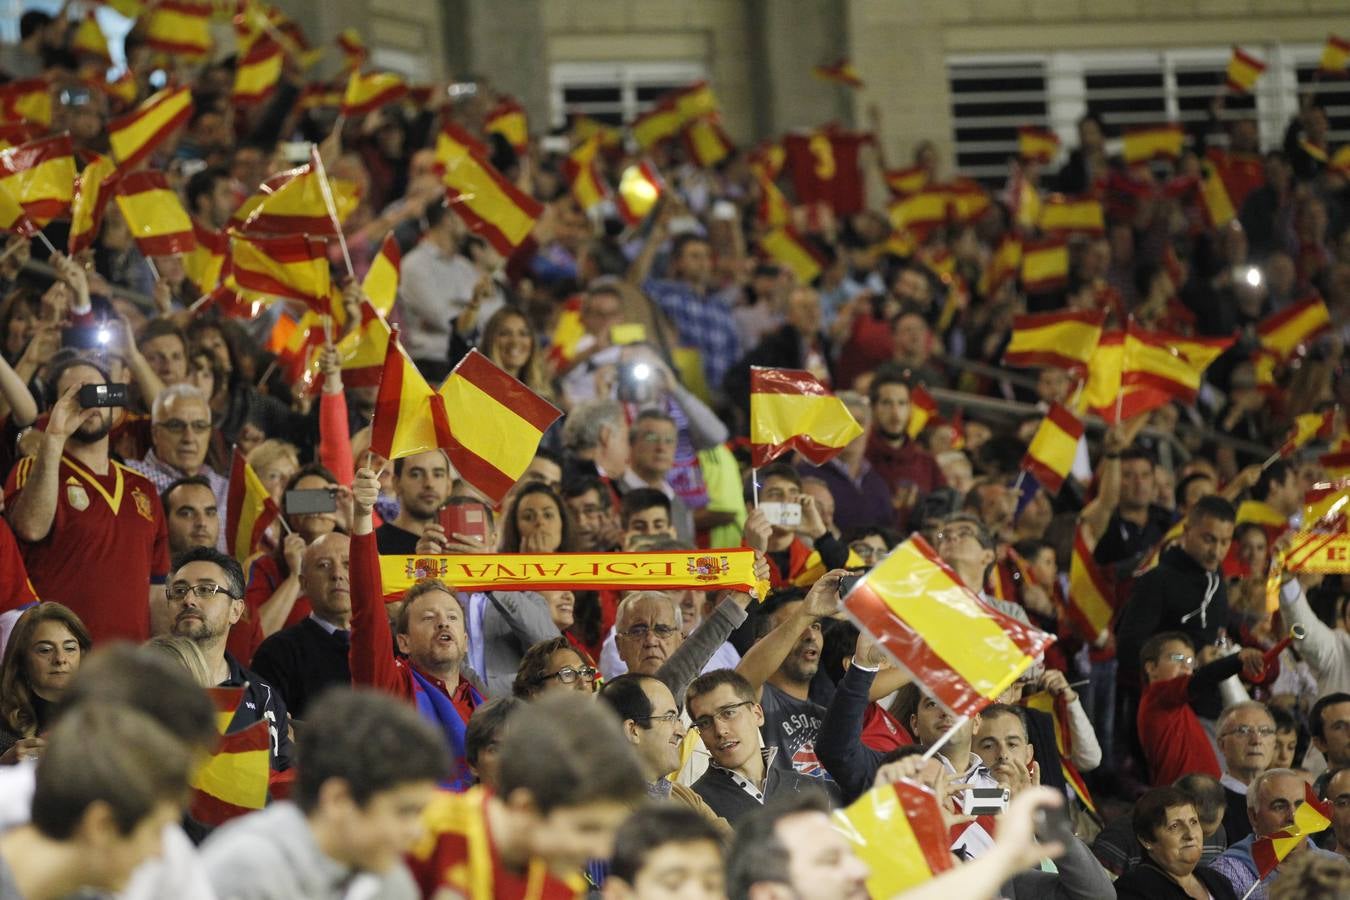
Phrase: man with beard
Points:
(907, 467)
(205, 597)
(81, 518)
(421, 482)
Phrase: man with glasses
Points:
(1174, 741)
(652, 724)
(652, 438)
(965, 544)
(743, 773)
(1246, 733)
(180, 431)
(1275, 795)
(205, 596)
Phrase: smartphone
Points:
(636, 384)
(93, 395)
(784, 515)
(984, 801)
(555, 143)
(311, 502)
(627, 333)
(468, 519)
(724, 211)
(847, 582)
(1053, 825)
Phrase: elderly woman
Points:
(42, 656)
(553, 665)
(1168, 827)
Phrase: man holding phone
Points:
(422, 483)
(790, 515)
(84, 519)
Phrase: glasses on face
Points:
(957, 534)
(569, 675)
(640, 632)
(178, 426)
(1182, 658)
(203, 591)
(666, 718)
(1247, 731)
(651, 437)
(724, 715)
(866, 552)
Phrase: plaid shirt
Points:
(703, 322)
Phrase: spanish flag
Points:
(1072, 215)
(791, 410)
(706, 143)
(453, 142)
(639, 188)
(89, 39)
(381, 282)
(1283, 332)
(1307, 427)
(367, 93)
(903, 182)
(296, 205)
(1334, 54)
(841, 72)
(1311, 817)
(1003, 267)
(154, 214)
(124, 90)
(293, 266)
(920, 212)
(922, 410)
(180, 28)
(898, 830)
(27, 101)
(1052, 450)
(960, 650)
(1151, 360)
(489, 204)
(567, 333)
(402, 423)
(353, 48)
(772, 208)
(320, 96)
(12, 218)
(1243, 71)
(1037, 144)
(1058, 710)
(93, 189)
(249, 510)
(1335, 465)
(363, 349)
(584, 128)
(12, 134)
(1045, 265)
(257, 74)
(507, 118)
(657, 124)
(967, 200)
(1091, 598)
(136, 135)
(234, 781)
(1154, 142)
(768, 158)
(489, 424)
(582, 171)
(205, 263)
(785, 247)
(41, 176)
(1064, 340)
(1218, 205)
(694, 100)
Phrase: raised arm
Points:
(850, 762)
(764, 658)
(34, 508)
(371, 655)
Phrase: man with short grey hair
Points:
(596, 437)
(1246, 738)
(180, 434)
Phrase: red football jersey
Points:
(107, 544)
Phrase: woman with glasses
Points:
(42, 656)
(554, 665)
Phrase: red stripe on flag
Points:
(785, 381)
(384, 420)
(763, 454)
(479, 371)
(1050, 480)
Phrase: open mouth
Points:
(728, 745)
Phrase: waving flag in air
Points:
(249, 510)
(136, 135)
(1052, 450)
(791, 410)
(1061, 340)
(154, 214)
(897, 829)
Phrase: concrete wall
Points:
(900, 47)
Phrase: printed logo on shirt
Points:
(142, 504)
(77, 496)
(806, 762)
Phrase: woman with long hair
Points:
(537, 522)
(44, 653)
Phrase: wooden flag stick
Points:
(942, 741)
(317, 158)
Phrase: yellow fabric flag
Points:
(381, 282)
(791, 410)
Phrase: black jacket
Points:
(1147, 882)
(1175, 595)
(780, 349)
(260, 701)
(301, 661)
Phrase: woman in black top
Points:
(1168, 827)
